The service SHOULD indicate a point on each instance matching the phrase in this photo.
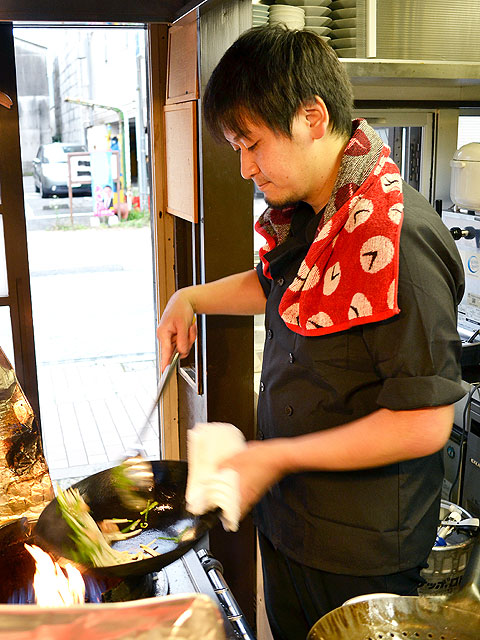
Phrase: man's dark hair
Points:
(268, 74)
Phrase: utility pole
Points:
(140, 134)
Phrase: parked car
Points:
(50, 170)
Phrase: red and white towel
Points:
(350, 273)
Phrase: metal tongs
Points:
(134, 476)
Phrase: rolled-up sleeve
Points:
(417, 352)
(265, 283)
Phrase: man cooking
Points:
(359, 281)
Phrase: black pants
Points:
(297, 596)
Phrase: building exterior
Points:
(85, 86)
(33, 99)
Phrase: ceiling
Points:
(81, 11)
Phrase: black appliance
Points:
(461, 483)
(454, 461)
(471, 474)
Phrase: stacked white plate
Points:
(291, 16)
(318, 20)
(302, 3)
(259, 14)
(344, 28)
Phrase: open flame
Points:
(53, 587)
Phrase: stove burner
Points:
(17, 568)
(138, 587)
(196, 571)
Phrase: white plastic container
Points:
(465, 177)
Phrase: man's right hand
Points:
(177, 328)
(239, 294)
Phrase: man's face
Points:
(279, 166)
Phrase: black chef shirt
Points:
(381, 520)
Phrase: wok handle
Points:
(470, 591)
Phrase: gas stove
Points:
(194, 574)
(198, 572)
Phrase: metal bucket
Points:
(446, 565)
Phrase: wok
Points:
(169, 520)
(452, 617)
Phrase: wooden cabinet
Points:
(182, 81)
(181, 159)
(180, 113)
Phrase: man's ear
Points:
(317, 116)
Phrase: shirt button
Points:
(262, 386)
(260, 435)
(291, 358)
(269, 334)
(281, 282)
(288, 410)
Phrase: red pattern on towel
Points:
(350, 273)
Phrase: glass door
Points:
(84, 169)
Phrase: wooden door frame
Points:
(163, 222)
(15, 230)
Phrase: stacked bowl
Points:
(291, 16)
(259, 14)
(317, 15)
(344, 28)
(317, 18)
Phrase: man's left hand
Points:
(259, 467)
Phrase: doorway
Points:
(83, 91)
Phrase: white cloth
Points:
(207, 486)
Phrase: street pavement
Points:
(92, 293)
(48, 213)
(92, 288)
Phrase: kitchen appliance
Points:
(465, 177)
(462, 451)
(471, 474)
(465, 228)
(195, 572)
(462, 454)
(450, 617)
(454, 463)
(455, 449)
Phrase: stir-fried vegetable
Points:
(183, 535)
(142, 523)
(91, 546)
(91, 541)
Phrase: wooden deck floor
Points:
(92, 412)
